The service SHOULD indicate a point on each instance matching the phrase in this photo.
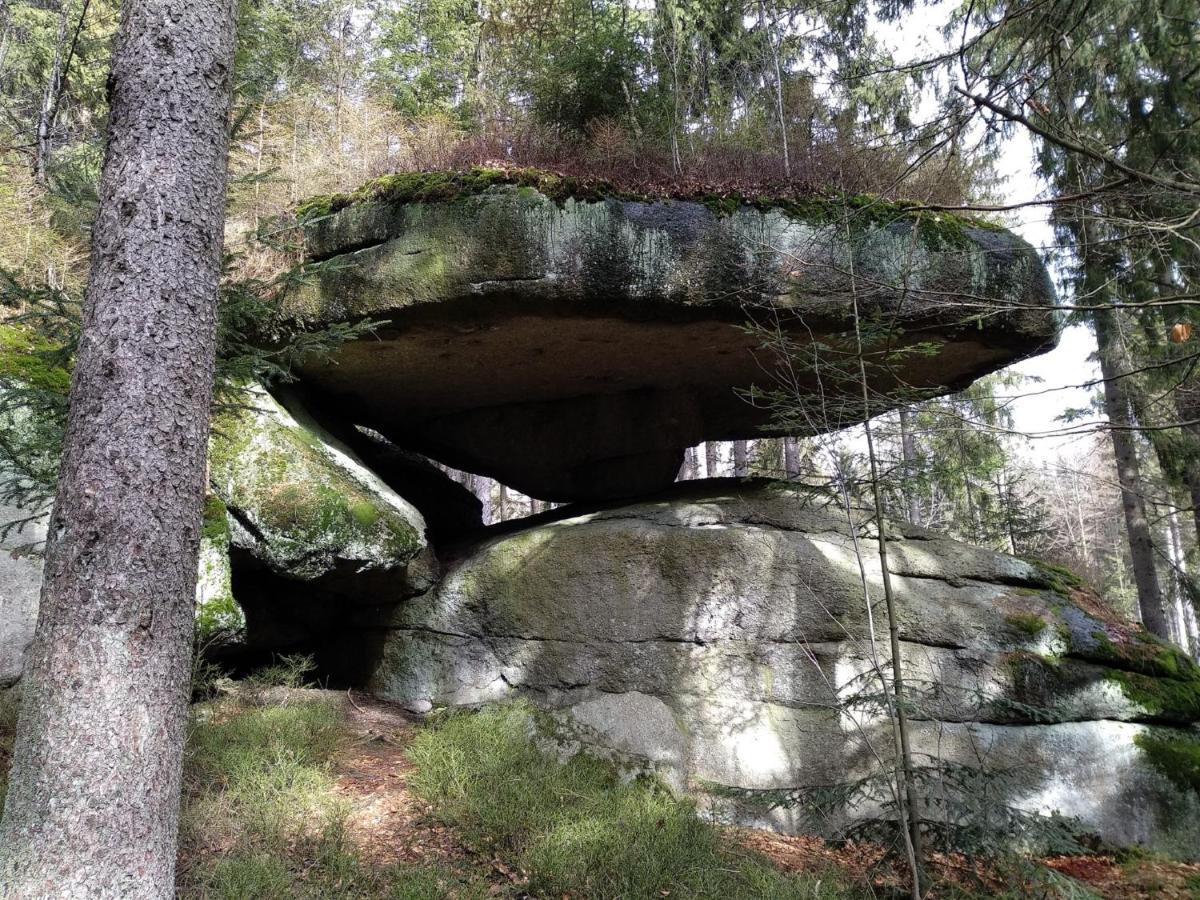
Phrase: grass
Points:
(261, 818)
(577, 828)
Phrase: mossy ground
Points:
(263, 814)
(937, 230)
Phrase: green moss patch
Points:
(216, 520)
(1168, 699)
(937, 230)
(308, 507)
(1057, 578)
(1144, 654)
(1175, 756)
(1027, 623)
(32, 360)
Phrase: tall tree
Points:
(741, 458)
(92, 808)
(1129, 476)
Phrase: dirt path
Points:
(387, 823)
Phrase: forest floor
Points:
(300, 793)
(390, 833)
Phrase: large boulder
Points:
(573, 345)
(311, 530)
(718, 635)
(296, 529)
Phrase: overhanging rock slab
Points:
(573, 348)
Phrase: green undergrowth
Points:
(863, 210)
(261, 817)
(577, 828)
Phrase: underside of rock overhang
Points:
(573, 348)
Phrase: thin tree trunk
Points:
(687, 471)
(791, 459)
(783, 137)
(1178, 592)
(482, 486)
(908, 449)
(741, 462)
(52, 97)
(712, 456)
(1129, 476)
(909, 802)
(93, 801)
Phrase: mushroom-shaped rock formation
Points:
(719, 636)
(574, 346)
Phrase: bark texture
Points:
(92, 808)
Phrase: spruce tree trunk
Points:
(93, 801)
(791, 459)
(741, 462)
(711, 458)
(1129, 476)
(689, 468)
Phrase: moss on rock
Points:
(1174, 755)
(31, 360)
(862, 211)
(307, 502)
(1169, 699)
(218, 615)
(1027, 623)
(1057, 578)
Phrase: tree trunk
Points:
(1129, 476)
(791, 459)
(93, 803)
(482, 486)
(41, 156)
(1187, 405)
(687, 471)
(908, 449)
(712, 456)
(741, 462)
